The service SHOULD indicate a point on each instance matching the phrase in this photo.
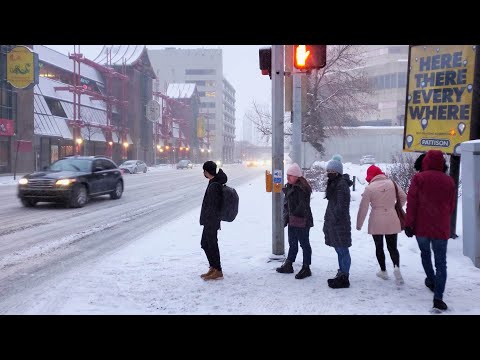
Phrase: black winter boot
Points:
(430, 284)
(304, 272)
(286, 268)
(339, 281)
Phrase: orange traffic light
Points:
(309, 57)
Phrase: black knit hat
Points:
(210, 167)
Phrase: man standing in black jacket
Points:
(210, 219)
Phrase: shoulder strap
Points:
(396, 191)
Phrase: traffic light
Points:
(265, 55)
(309, 57)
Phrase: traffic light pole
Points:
(278, 232)
(297, 119)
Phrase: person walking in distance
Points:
(381, 195)
(210, 219)
(297, 214)
(431, 201)
(337, 223)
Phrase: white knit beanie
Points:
(294, 170)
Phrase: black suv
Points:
(72, 180)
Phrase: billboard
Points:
(440, 89)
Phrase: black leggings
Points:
(392, 249)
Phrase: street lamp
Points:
(125, 147)
(79, 142)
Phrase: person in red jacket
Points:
(430, 204)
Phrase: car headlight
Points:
(65, 182)
(23, 181)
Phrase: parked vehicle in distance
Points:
(367, 159)
(133, 166)
(184, 164)
(72, 180)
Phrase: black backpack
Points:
(229, 204)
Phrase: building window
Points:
(200, 72)
(207, 105)
(402, 79)
(393, 80)
(55, 107)
(210, 93)
(197, 82)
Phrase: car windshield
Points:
(183, 162)
(72, 165)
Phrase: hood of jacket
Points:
(220, 177)
(346, 177)
(433, 160)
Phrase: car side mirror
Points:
(45, 167)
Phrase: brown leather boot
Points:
(210, 270)
(215, 275)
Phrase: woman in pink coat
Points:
(383, 221)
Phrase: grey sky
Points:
(240, 67)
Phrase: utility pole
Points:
(278, 73)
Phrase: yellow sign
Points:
(201, 127)
(20, 67)
(439, 97)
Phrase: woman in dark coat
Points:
(337, 225)
(297, 214)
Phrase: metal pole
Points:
(455, 174)
(155, 143)
(297, 119)
(16, 157)
(278, 243)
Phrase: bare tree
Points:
(336, 96)
(88, 131)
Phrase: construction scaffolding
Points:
(77, 123)
(165, 130)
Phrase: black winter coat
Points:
(297, 203)
(212, 201)
(337, 225)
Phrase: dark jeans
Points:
(209, 244)
(344, 260)
(391, 247)
(439, 247)
(299, 235)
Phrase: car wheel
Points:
(28, 202)
(144, 170)
(79, 196)
(135, 171)
(117, 193)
